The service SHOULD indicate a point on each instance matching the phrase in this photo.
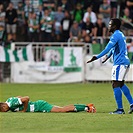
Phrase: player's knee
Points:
(116, 84)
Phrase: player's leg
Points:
(118, 97)
(58, 109)
(116, 85)
(74, 108)
(126, 90)
(128, 95)
(44, 106)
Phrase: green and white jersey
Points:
(46, 26)
(15, 104)
(33, 22)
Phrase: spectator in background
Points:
(75, 32)
(94, 3)
(46, 27)
(5, 3)
(40, 13)
(49, 3)
(51, 12)
(78, 14)
(27, 9)
(113, 8)
(33, 27)
(15, 3)
(87, 3)
(129, 3)
(20, 12)
(105, 10)
(100, 27)
(35, 4)
(43, 27)
(90, 14)
(59, 15)
(2, 23)
(11, 21)
(65, 5)
(88, 30)
(126, 21)
(66, 23)
(49, 26)
(75, 2)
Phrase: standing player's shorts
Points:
(119, 72)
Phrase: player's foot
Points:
(91, 108)
(118, 111)
(131, 109)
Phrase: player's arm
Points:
(109, 46)
(107, 56)
(107, 49)
(104, 52)
(19, 96)
(24, 101)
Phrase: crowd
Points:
(60, 20)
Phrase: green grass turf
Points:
(64, 94)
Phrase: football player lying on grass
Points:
(22, 104)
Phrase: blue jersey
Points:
(117, 47)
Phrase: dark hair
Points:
(116, 22)
(1, 105)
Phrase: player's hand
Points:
(92, 59)
(104, 61)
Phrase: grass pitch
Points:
(64, 94)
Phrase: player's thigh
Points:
(119, 72)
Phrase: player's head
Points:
(114, 24)
(4, 107)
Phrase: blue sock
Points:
(127, 94)
(118, 97)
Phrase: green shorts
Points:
(42, 106)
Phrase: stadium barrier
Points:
(53, 63)
(68, 64)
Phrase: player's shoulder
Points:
(118, 34)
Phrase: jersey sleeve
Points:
(110, 45)
(110, 53)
